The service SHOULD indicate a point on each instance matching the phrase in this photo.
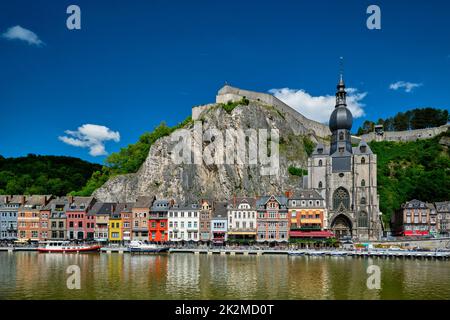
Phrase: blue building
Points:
(9, 206)
(219, 223)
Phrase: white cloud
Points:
(319, 108)
(407, 86)
(19, 33)
(91, 136)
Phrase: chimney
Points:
(22, 199)
(288, 194)
(70, 199)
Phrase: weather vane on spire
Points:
(341, 68)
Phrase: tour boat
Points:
(66, 247)
(141, 247)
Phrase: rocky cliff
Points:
(161, 176)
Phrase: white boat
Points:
(139, 246)
(65, 247)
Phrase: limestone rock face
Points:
(159, 175)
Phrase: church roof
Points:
(360, 148)
(341, 118)
(320, 146)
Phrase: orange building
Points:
(28, 218)
(140, 216)
(307, 215)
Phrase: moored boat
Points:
(66, 247)
(141, 247)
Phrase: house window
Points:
(363, 200)
(320, 184)
(363, 183)
(363, 160)
(320, 163)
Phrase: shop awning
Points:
(318, 221)
(239, 233)
(311, 234)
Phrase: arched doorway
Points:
(341, 226)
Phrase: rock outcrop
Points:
(161, 176)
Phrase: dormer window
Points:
(320, 150)
(341, 149)
(363, 149)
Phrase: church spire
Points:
(341, 94)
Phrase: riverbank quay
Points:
(374, 253)
(403, 254)
(11, 249)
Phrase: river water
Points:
(30, 275)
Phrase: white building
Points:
(346, 177)
(184, 222)
(241, 215)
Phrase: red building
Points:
(78, 219)
(158, 222)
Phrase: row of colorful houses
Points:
(272, 218)
(419, 218)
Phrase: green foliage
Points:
(128, 159)
(309, 145)
(297, 171)
(409, 120)
(97, 179)
(229, 106)
(411, 170)
(35, 174)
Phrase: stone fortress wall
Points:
(409, 135)
(228, 93)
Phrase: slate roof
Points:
(306, 194)
(161, 205)
(362, 143)
(102, 208)
(81, 203)
(144, 202)
(236, 201)
(220, 210)
(442, 206)
(282, 200)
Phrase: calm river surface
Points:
(30, 275)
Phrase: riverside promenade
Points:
(371, 253)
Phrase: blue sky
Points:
(136, 63)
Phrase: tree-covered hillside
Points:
(35, 174)
(411, 170)
(409, 120)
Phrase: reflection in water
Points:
(29, 275)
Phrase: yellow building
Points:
(115, 227)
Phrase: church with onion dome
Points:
(346, 177)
